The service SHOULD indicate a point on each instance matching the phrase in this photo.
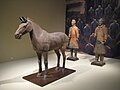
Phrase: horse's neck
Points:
(36, 32)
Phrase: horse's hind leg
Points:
(40, 64)
(58, 57)
(45, 55)
(64, 56)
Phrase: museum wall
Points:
(49, 14)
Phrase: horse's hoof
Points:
(57, 68)
(45, 76)
(39, 74)
(63, 69)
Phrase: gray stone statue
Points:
(43, 42)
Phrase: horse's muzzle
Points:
(18, 36)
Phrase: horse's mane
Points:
(36, 28)
(35, 25)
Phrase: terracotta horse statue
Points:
(43, 42)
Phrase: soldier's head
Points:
(108, 5)
(87, 24)
(79, 18)
(101, 21)
(115, 21)
(91, 7)
(94, 19)
(73, 22)
(99, 6)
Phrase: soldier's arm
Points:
(95, 33)
(69, 32)
(106, 34)
(77, 32)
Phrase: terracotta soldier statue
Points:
(73, 37)
(99, 12)
(91, 14)
(93, 25)
(101, 37)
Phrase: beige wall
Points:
(49, 14)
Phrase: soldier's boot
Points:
(96, 57)
(101, 59)
(71, 52)
(75, 53)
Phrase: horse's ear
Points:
(24, 19)
(21, 19)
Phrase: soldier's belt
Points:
(98, 42)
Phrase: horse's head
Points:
(24, 27)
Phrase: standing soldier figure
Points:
(99, 12)
(105, 3)
(80, 25)
(93, 25)
(101, 37)
(114, 29)
(91, 14)
(107, 14)
(87, 33)
(73, 44)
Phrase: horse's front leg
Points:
(58, 57)
(45, 55)
(40, 64)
